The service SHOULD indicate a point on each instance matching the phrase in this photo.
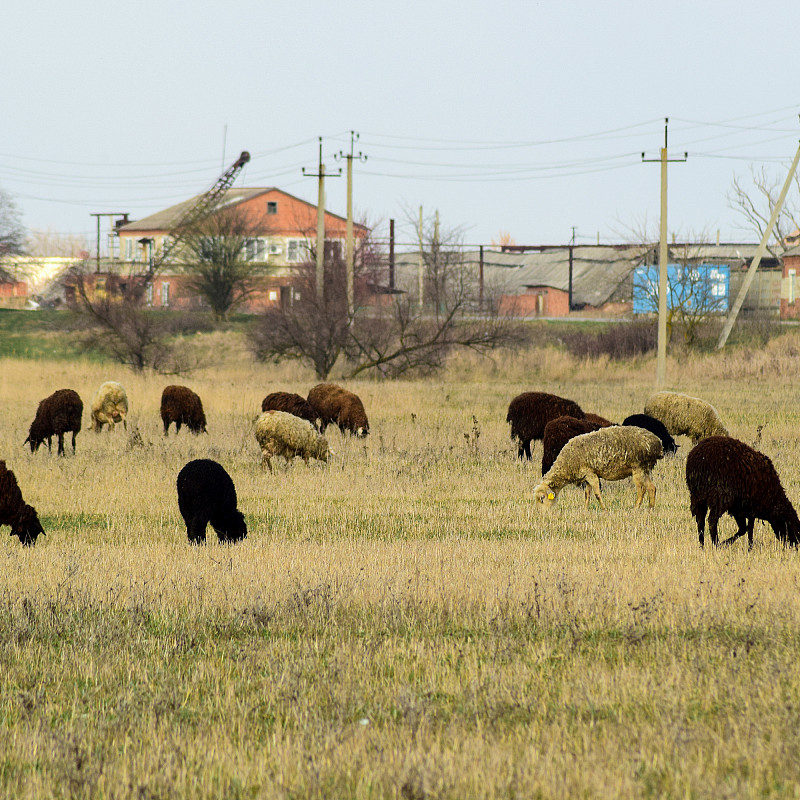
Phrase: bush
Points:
(618, 342)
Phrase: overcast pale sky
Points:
(525, 117)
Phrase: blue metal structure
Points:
(690, 286)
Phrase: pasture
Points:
(401, 622)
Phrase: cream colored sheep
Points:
(609, 453)
(282, 434)
(685, 416)
(109, 406)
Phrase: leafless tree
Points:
(223, 253)
(756, 204)
(119, 326)
(12, 232)
(389, 332)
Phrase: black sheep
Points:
(558, 432)
(529, 412)
(14, 511)
(181, 405)
(56, 415)
(206, 494)
(726, 475)
(292, 404)
(655, 426)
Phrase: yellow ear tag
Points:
(551, 496)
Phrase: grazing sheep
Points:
(181, 405)
(601, 422)
(109, 406)
(726, 475)
(685, 415)
(56, 415)
(282, 434)
(558, 432)
(529, 412)
(336, 404)
(609, 453)
(206, 494)
(292, 403)
(654, 426)
(14, 511)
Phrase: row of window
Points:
(256, 249)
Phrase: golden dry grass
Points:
(401, 622)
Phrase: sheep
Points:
(282, 434)
(726, 475)
(685, 415)
(206, 494)
(601, 422)
(610, 453)
(654, 426)
(181, 405)
(292, 403)
(14, 511)
(109, 406)
(56, 415)
(529, 412)
(336, 404)
(558, 432)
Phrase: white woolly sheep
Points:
(280, 433)
(609, 453)
(685, 416)
(109, 406)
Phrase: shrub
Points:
(621, 341)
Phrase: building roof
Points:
(168, 218)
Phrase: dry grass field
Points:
(402, 622)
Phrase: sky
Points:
(518, 117)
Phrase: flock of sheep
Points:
(288, 426)
(723, 475)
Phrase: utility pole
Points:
(420, 264)
(320, 175)
(349, 248)
(751, 272)
(104, 214)
(663, 255)
(571, 247)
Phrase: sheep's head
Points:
(27, 526)
(234, 528)
(544, 494)
(362, 432)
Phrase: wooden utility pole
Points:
(320, 175)
(762, 246)
(663, 255)
(349, 244)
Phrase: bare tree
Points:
(223, 253)
(756, 204)
(392, 333)
(12, 232)
(119, 326)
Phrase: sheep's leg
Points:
(713, 519)
(74, 434)
(265, 462)
(196, 530)
(587, 493)
(743, 528)
(593, 481)
(699, 511)
(637, 480)
(750, 524)
(60, 450)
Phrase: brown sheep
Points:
(333, 403)
(601, 422)
(14, 511)
(558, 432)
(181, 405)
(290, 403)
(56, 415)
(726, 475)
(529, 412)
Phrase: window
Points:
(273, 296)
(148, 294)
(792, 276)
(165, 293)
(129, 249)
(272, 207)
(164, 243)
(296, 250)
